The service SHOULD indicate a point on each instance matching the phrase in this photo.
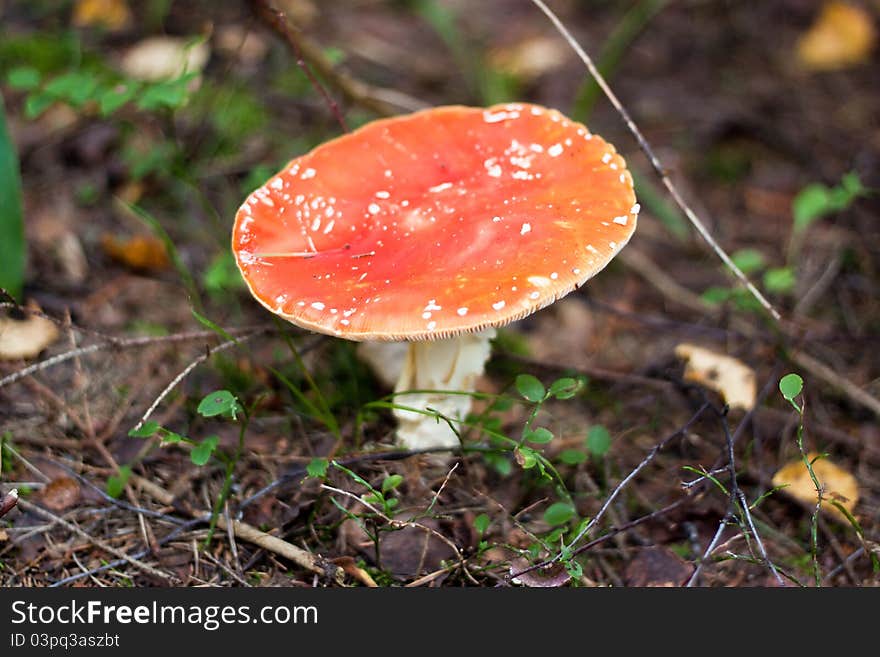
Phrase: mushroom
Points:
(433, 229)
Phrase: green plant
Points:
(816, 200)
(12, 242)
(218, 404)
(791, 386)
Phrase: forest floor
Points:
(128, 210)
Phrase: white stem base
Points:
(454, 365)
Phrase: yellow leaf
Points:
(733, 380)
(842, 36)
(113, 15)
(141, 252)
(837, 484)
(25, 338)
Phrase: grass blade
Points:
(12, 245)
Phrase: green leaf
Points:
(572, 456)
(780, 280)
(574, 569)
(715, 296)
(116, 483)
(113, 98)
(564, 388)
(530, 387)
(146, 430)
(36, 104)
(391, 482)
(811, 203)
(317, 468)
(791, 386)
(219, 402)
(559, 513)
(74, 88)
(853, 185)
(171, 94)
(598, 440)
(171, 438)
(12, 242)
(748, 260)
(23, 78)
(539, 436)
(481, 523)
(201, 453)
(526, 457)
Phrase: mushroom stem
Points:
(453, 365)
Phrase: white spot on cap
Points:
(462, 311)
(622, 219)
(344, 322)
(440, 187)
(492, 167)
(554, 276)
(539, 281)
(432, 326)
(534, 295)
(495, 117)
(318, 305)
(388, 173)
(635, 209)
(277, 184)
(373, 208)
(613, 245)
(575, 271)
(432, 305)
(592, 249)
(382, 194)
(555, 150)
(495, 220)
(426, 315)
(498, 305)
(606, 158)
(329, 227)
(316, 224)
(308, 173)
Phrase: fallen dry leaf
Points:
(658, 567)
(60, 494)
(733, 380)
(165, 58)
(552, 576)
(141, 252)
(113, 15)
(838, 484)
(842, 36)
(25, 338)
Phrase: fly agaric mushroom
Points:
(434, 228)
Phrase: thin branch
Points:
(210, 351)
(113, 343)
(632, 475)
(8, 502)
(655, 163)
(69, 526)
(617, 490)
(384, 102)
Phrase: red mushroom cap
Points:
(444, 221)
